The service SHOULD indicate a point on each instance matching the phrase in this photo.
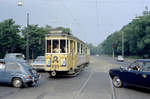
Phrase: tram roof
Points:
(63, 35)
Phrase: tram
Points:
(64, 53)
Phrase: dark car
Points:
(18, 74)
(136, 74)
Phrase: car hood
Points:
(114, 69)
(38, 63)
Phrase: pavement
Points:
(92, 83)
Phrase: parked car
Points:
(14, 57)
(39, 63)
(120, 59)
(18, 74)
(136, 74)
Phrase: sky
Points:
(90, 20)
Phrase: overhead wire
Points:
(73, 17)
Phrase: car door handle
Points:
(144, 76)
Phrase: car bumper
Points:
(34, 79)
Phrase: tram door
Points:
(72, 51)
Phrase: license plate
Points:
(33, 79)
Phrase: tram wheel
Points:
(53, 73)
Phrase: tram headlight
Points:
(55, 59)
(49, 63)
(63, 62)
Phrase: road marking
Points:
(83, 86)
(112, 89)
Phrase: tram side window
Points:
(56, 48)
(78, 48)
(86, 50)
(48, 46)
(75, 47)
(68, 46)
(81, 49)
(63, 46)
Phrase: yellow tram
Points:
(64, 53)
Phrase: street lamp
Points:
(19, 3)
(27, 41)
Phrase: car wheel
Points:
(17, 82)
(117, 82)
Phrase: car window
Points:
(136, 66)
(146, 66)
(12, 67)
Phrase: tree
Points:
(9, 37)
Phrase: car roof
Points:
(142, 60)
(14, 54)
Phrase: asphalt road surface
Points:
(92, 83)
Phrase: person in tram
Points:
(57, 49)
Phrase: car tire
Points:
(17, 82)
(117, 82)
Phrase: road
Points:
(92, 83)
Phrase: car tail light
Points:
(29, 77)
(39, 76)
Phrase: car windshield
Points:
(146, 66)
(42, 58)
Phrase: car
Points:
(14, 56)
(120, 59)
(18, 74)
(39, 63)
(136, 74)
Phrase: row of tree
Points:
(136, 38)
(13, 38)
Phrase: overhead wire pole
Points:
(122, 44)
(97, 16)
(27, 48)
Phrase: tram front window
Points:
(59, 48)
(63, 46)
(56, 48)
(48, 46)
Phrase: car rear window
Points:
(12, 67)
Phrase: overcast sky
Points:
(90, 20)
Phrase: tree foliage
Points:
(13, 38)
(136, 38)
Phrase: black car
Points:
(136, 74)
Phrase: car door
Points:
(12, 69)
(2, 72)
(144, 76)
(130, 74)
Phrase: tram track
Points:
(113, 92)
(77, 94)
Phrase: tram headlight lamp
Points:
(63, 62)
(55, 59)
(49, 63)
